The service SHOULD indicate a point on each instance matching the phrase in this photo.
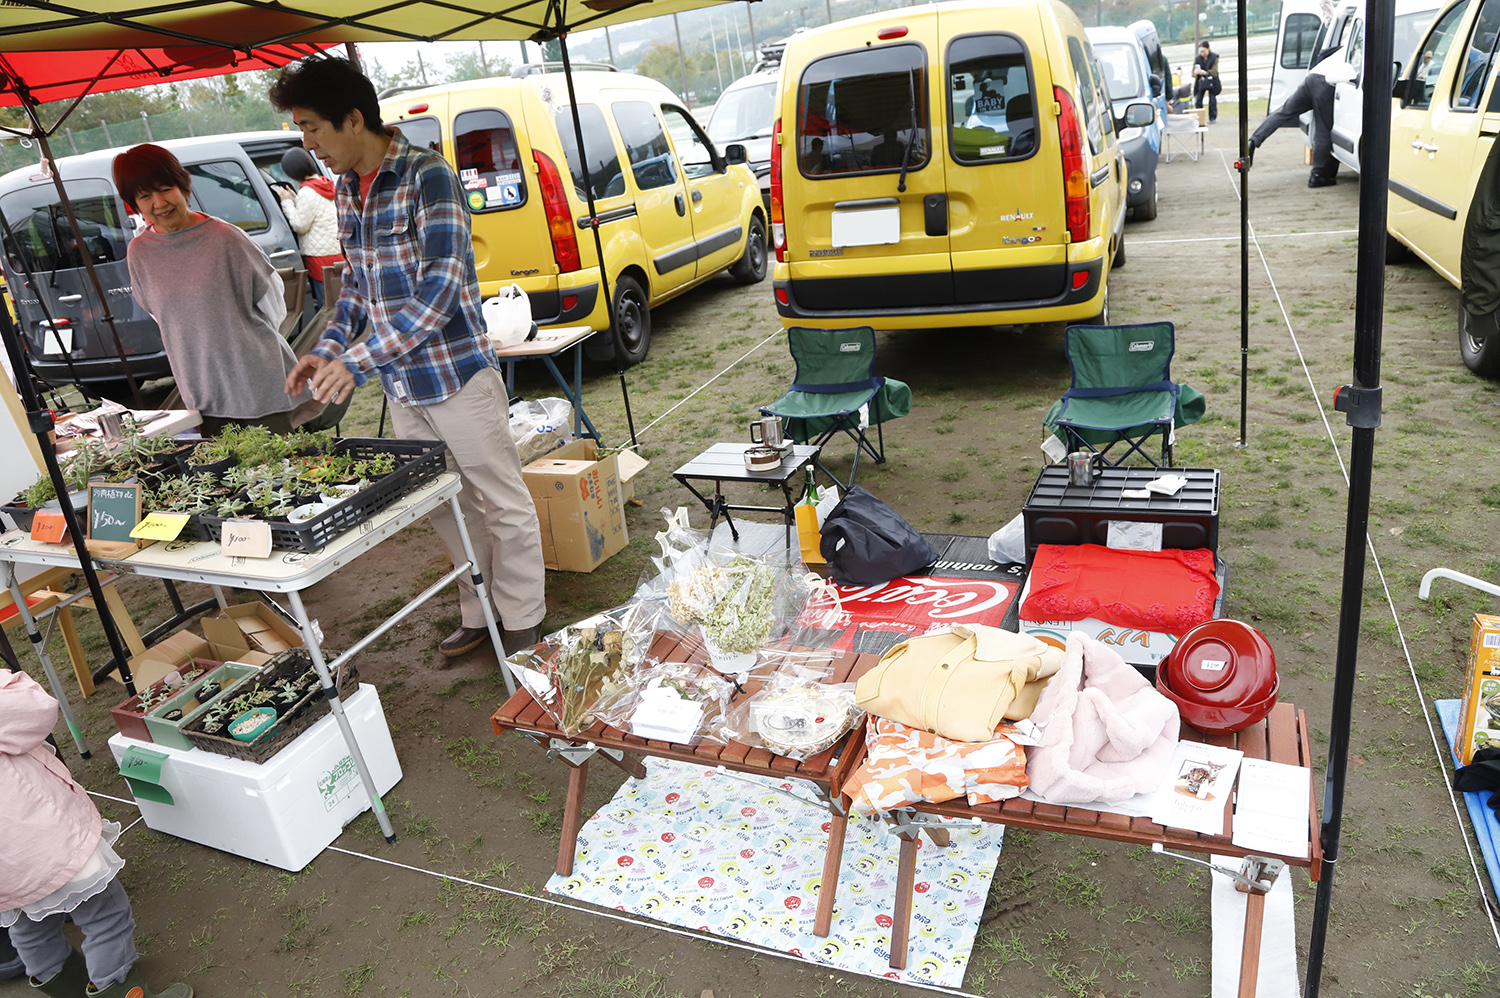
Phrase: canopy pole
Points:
(39, 421)
(106, 313)
(1360, 402)
(1244, 218)
(588, 190)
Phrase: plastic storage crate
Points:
(1059, 513)
(421, 462)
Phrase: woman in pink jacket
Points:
(57, 862)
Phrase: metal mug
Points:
(1083, 467)
(766, 431)
(111, 425)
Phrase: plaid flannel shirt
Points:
(411, 274)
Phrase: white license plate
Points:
(867, 227)
(56, 342)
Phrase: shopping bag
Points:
(507, 318)
(866, 543)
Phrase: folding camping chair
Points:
(836, 391)
(1122, 392)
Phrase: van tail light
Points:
(559, 218)
(1075, 177)
(778, 220)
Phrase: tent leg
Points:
(40, 647)
(331, 694)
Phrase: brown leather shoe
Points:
(515, 641)
(463, 641)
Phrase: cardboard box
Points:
(177, 649)
(1479, 715)
(580, 505)
(254, 625)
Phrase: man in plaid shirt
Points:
(411, 278)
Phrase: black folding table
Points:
(726, 463)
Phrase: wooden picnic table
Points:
(1281, 737)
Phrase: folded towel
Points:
(1107, 735)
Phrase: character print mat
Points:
(742, 857)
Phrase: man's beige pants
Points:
(499, 513)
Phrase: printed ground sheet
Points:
(742, 857)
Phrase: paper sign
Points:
(1198, 787)
(1271, 808)
(142, 770)
(246, 539)
(49, 526)
(160, 526)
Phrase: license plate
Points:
(867, 227)
(56, 342)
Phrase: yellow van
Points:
(1443, 125)
(947, 165)
(673, 210)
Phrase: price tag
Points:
(49, 526)
(160, 527)
(246, 539)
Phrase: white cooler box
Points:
(283, 812)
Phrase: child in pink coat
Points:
(57, 862)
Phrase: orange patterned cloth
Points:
(905, 765)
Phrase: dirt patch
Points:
(1066, 915)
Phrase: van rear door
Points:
(869, 229)
(39, 239)
(1008, 232)
(1296, 44)
(491, 159)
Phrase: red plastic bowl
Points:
(1219, 719)
(1222, 663)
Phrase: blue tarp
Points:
(1481, 815)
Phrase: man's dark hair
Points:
(329, 86)
(148, 168)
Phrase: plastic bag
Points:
(507, 318)
(584, 669)
(794, 716)
(540, 427)
(678, 702)
(1008, 544)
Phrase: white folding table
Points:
(287, 572)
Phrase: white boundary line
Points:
(705, 384)
(1235, 236)
(1437, 743)
(655, 926)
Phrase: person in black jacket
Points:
(1206, 80)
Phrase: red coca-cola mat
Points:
(873, 619)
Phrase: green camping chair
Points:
(1122, 392)
(836, 380)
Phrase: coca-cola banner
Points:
(873, 619)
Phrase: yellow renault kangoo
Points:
(673, 210)
(948, 165)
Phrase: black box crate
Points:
(420, 462)
(1059, 513)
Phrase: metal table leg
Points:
(476, 576)
(40, 646)
(331, 694)
(574, 393)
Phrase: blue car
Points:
(1131, 77)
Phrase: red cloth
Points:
(315, 264)
(1169, 591)
(321, 185)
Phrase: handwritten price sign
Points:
(114, 510)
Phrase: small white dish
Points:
(304, 513)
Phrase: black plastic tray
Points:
(421, 462)
(1059, 513)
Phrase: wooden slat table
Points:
(1281, 737)
(827, 770)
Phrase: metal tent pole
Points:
(1360, 402)
(588, 189)
(1244, 218)
(39, 421)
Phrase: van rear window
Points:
(863, 112)
(38, 237)
(489, 161)
(990, 99)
